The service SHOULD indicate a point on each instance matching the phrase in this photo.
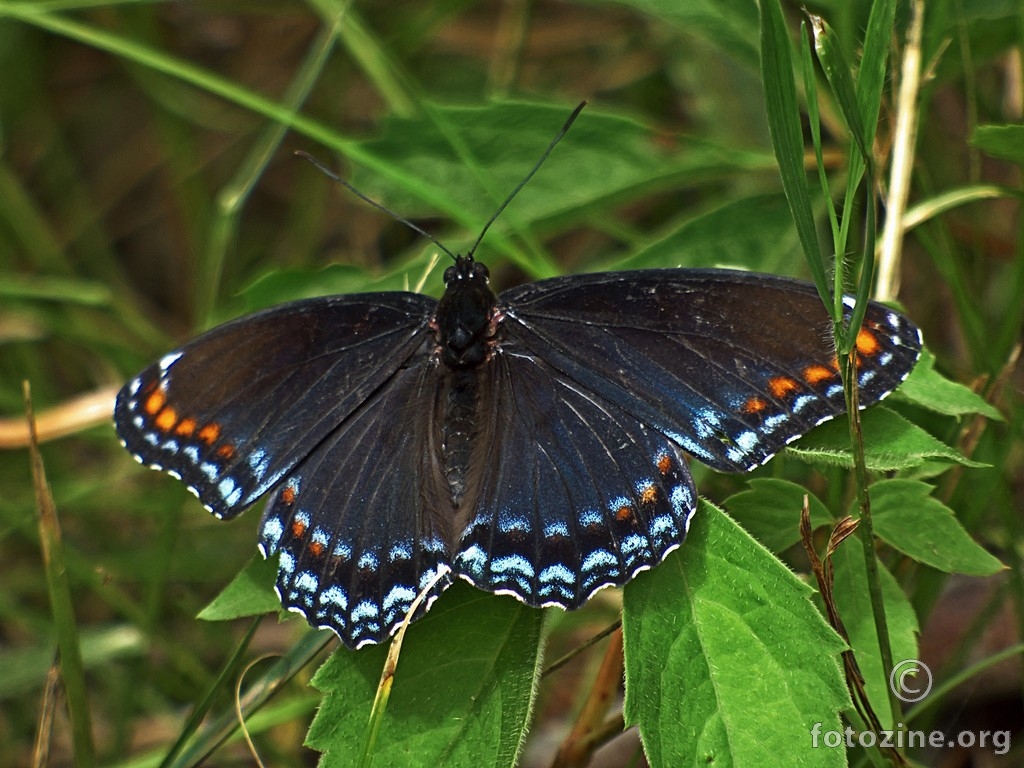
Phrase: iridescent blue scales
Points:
(532, 443)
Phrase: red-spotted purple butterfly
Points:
(532, 441)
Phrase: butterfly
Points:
(533, 442)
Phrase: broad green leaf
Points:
(471, 158)
(770, 511)
(751, 233)
(851, 596)
(729, 24)
(464, 161)
(929, 388)
(1002, 141)
(890, 443)
(728, 663)
(462, 690)
(251, 592)
(910, 519)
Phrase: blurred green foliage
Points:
(148, 189)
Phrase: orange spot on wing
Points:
(288, 494)
(755, 405)
(623, 513)
(166, 419)
(209, 433)
(155, 401)
(664, 464)
(781, 386)
(815, 374)
(649, 494)
(867, 343)
(225, 451)
(186, 427)
(298, 529)
(316, 548)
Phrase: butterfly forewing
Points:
(731, 366)
(233, 410)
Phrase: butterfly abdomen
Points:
(466, 330)
(460, 402)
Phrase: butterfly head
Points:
(466, 270)
(466, 319)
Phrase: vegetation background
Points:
(148, 190)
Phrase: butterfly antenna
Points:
(332, 175)
(521, 184)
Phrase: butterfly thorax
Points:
(466, 327)
(465, 323)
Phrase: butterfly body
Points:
(531, 441)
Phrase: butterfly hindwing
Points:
(361, 525)
(731, 366)
(572, 494)
(236, 408)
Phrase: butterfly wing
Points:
(731, 366)
(568, 493)
(232, 411)
(599, 379)
(361, 525)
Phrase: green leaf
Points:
(840, 80)
(462, 690)
(177, 68)
(250, 593)
(23, 669)
(854, 604)
(890, 443)
(729, 24)
(932, 207)
(727, 660)
(1002, 141)
(810, 74)
(466, 169)
(770, 511)
(908, 518)
(52, 288)
(281, 285)
(787, 135)
(750, 233)
(873, 71)
(929, 388)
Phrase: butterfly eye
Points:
(480, 270)
(450, 275)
